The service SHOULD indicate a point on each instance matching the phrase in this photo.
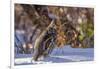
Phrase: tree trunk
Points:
(37, 46)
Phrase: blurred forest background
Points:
(72, 26)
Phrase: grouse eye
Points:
(69, 33)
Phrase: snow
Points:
(58, 55)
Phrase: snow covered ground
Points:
(58, 55)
